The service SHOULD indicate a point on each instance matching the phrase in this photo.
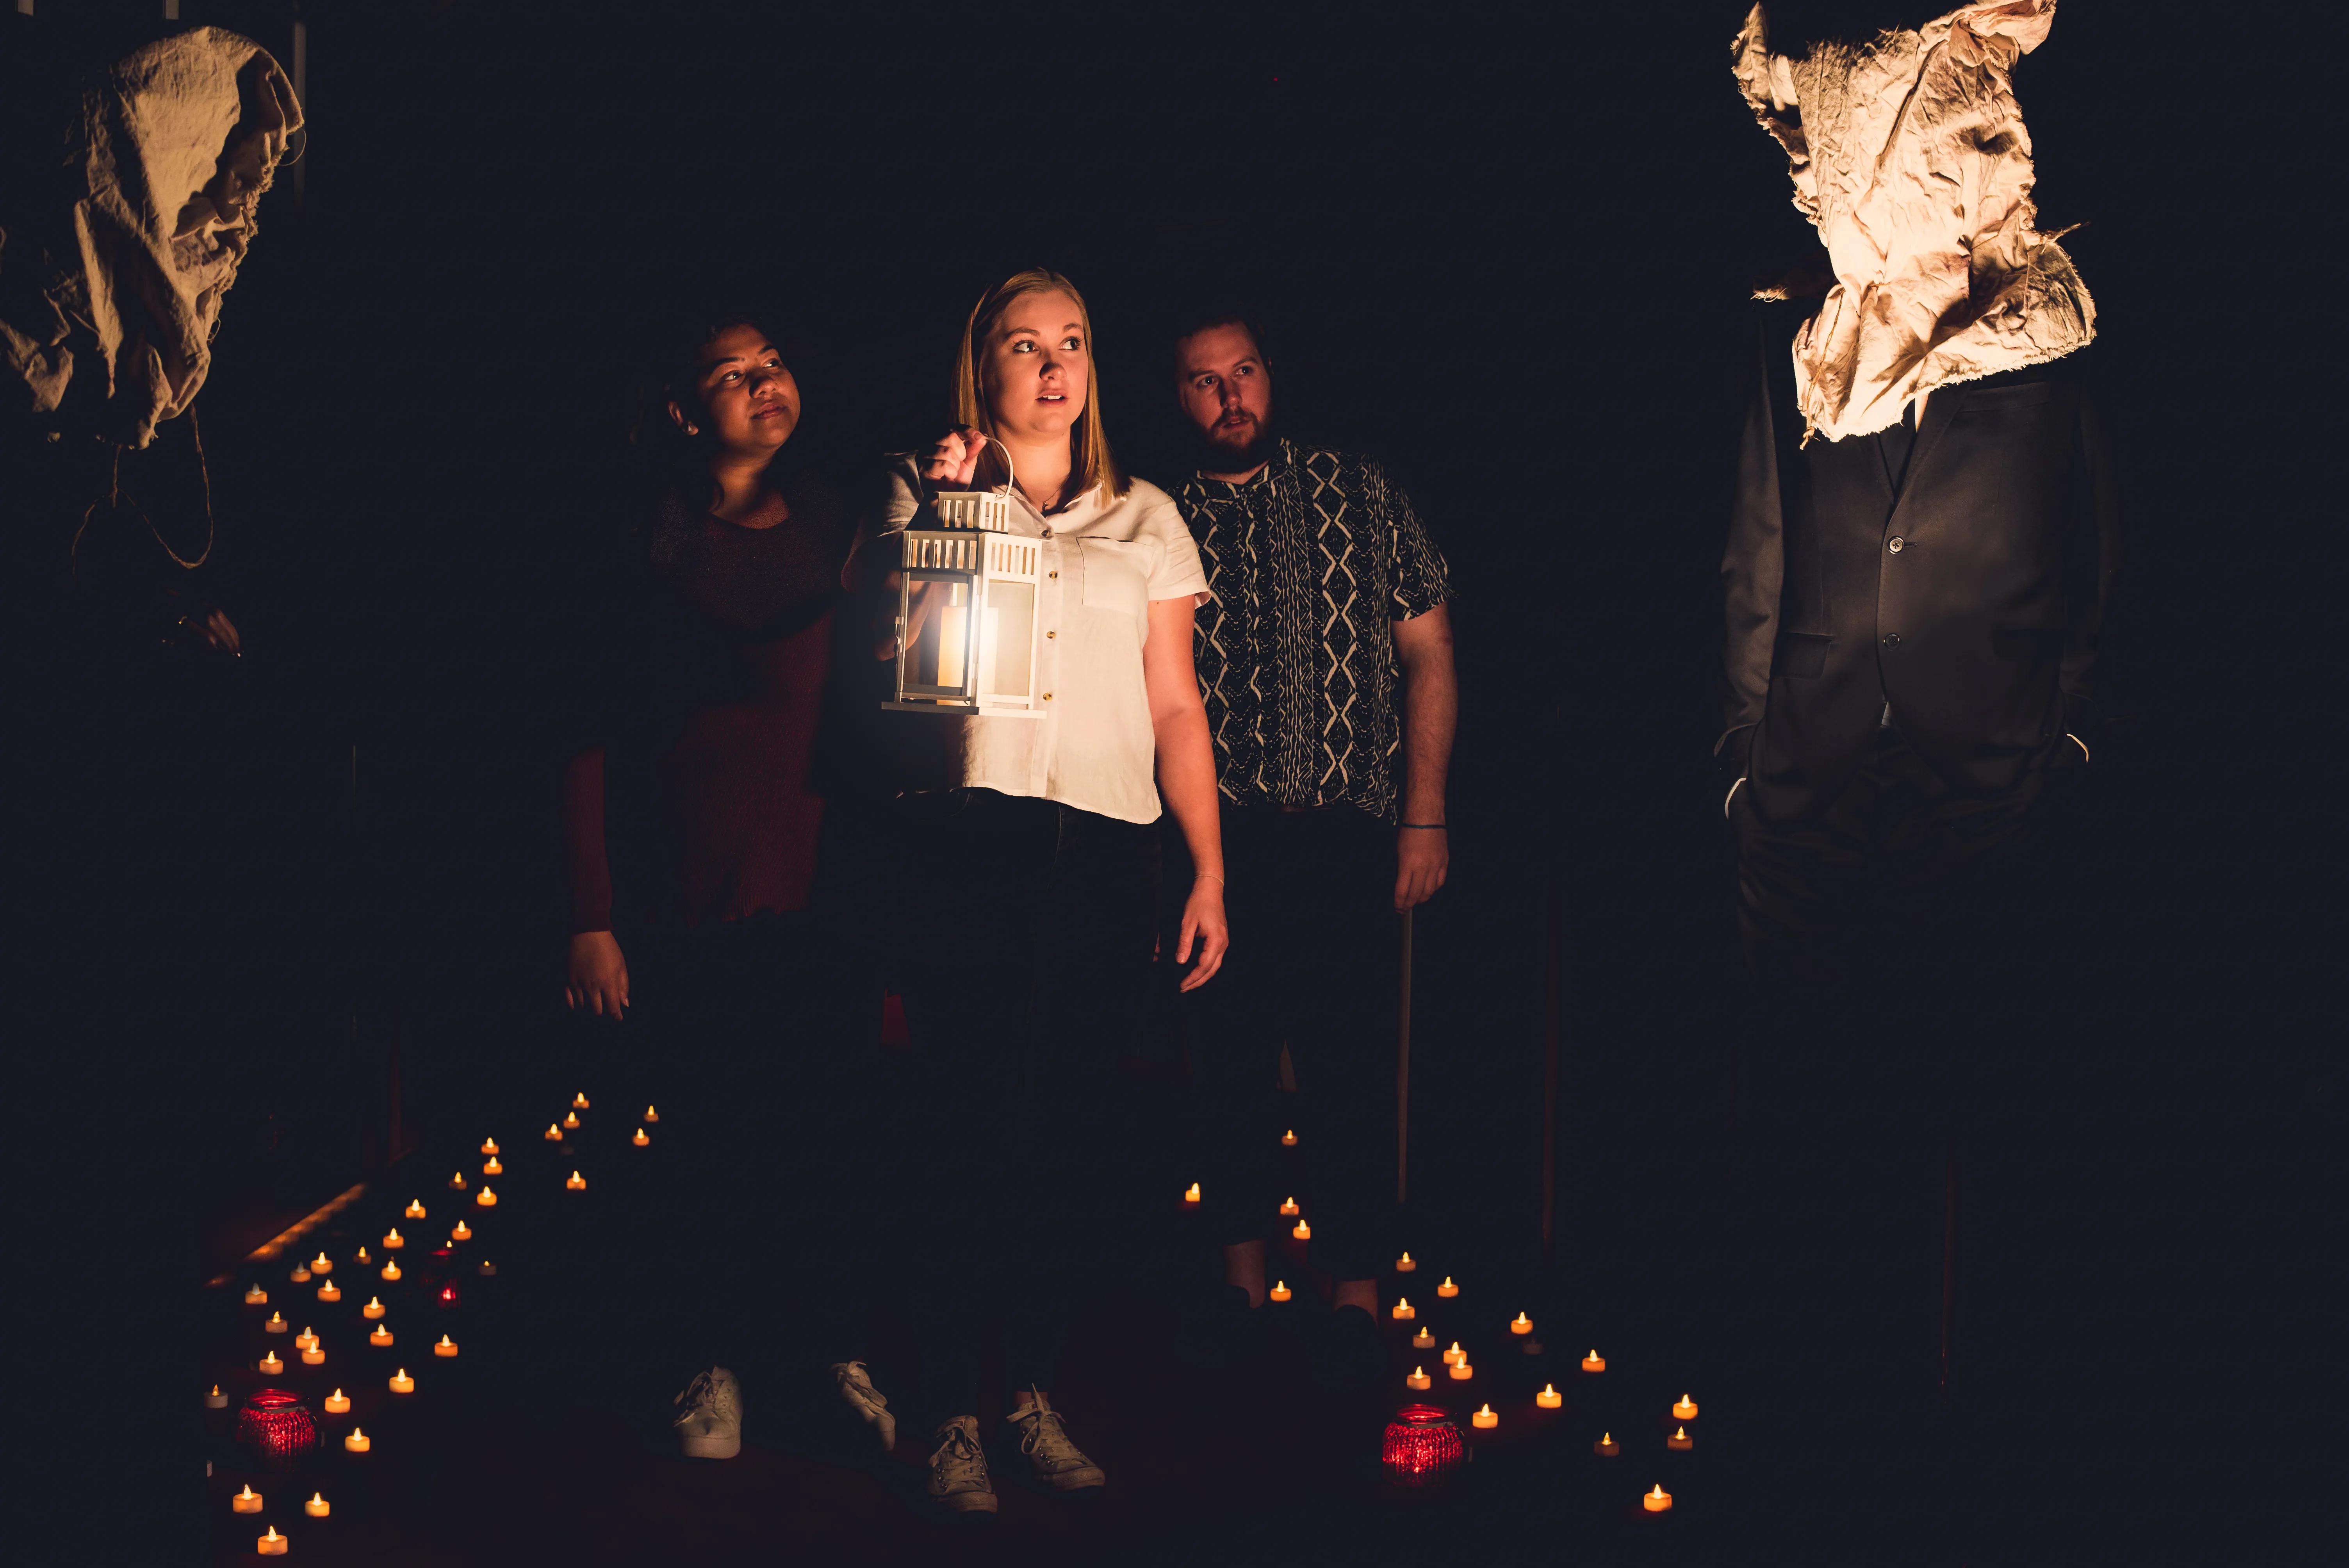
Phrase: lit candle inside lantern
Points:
(1485, 1417)
(1419, 1379)
(461, 1231)
(580, 1100)
(1403, 1310)
(374, 1308)
(487, 1267)
(1606, 1447)
(337, 1403)
(300, 1274)
(486, 1199)
(381, 1337)
(330, 1290)
(256, 1296)
(491, 1168)
(1462, 1371)
(271, 1364)
(1423, 1340)
(1456, 1356)
(1657, 1500)
(446, 1347)
(489, 1146)
(1288, 1206)
(571, 1122)
(216, 1400)
(1522, 1325)
(272, 1544)
(322, 1264)
(578, 1184)
(393, 1241)
(1280, 1291)
(247, 1501)
(1447, 1289)
(391, 1268)
(553, 1133)
(317, 1507)
(1594, 1362)
(276, 1324)
(1685, 1410)
(1289, 1139)
(358, 1442)
(1549, 1399)
(313, 1357)
(1403, 1265)
(415, 1209)
(651, 1115)
(1302, 1231)
(401, 1383)
(457, 1182)
(641, 1139)
(1678, 1441)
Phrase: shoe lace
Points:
(705, 1393)
(855, 1379)
(1041, 1434)
(958, 1456)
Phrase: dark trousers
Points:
(1313, 965)
(1023, 949)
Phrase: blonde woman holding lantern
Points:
(1031, 866)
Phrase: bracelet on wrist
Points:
(1427, 827)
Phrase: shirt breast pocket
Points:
(1117, 574)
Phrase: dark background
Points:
(1508, 250)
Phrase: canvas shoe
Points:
(1058, 1462)
(959, 1468)
(709, 1416)
(865, 1402)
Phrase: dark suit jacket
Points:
(1973, 598)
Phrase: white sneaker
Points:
(1058, 1462)
(865, 1402)
(709, 1418)
(959, 1468)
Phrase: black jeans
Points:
(1316, 947)
(1023, 949)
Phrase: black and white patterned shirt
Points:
(1308, 561)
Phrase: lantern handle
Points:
(1009, 478)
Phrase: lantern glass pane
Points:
(938, 648)
(1011, 638)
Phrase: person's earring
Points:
(693, 429)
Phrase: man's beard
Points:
(1228, 457)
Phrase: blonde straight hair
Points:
(1090, 462)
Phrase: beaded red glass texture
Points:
(1421, 1443)
(276, 1424)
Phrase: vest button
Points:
(1892, 639)
(1895, 545)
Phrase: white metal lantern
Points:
(967, 612)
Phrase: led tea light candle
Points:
(1657, 1502)
(1191, 1196)
(1549, 1399)
(1678, 1442)
(1594, 1362)
(1419, 1379)
(401, 1383)
(1606, 1447)
(1403, 1310)
(1288, 1206)
(446, 1347)
(1485, 1419)
(579, 1101)
(307, 1339)
(1289, 1139)
(322, 1264)
(1462, 1371)
(490, 1147)
(270, 1364)
(491, 1168)
(1302, 1231)
(313, 1357)
(641, 1139)
(457, 1182)
(391, 1268)
(337, 1403)
(330, 1290)
(488, 1268)
(1447, 1289)
(571, 1122)
(553, 1133)
(393, 1241)
(1522, 1325)
(276, 1324)
(651, 1115)
(1423, 1340)
(247, 1501)
(216, 1400)
(486, 1199)
(256, 1296)
(358, 1442)
(461, 1231)
(578, 1184)
(272, 1544)
(1685, 1410)
(1280, 1291)
(374, 1308)
(415, 1209)
(317, 1507)
(1403, 1265)
(381, 1337)
(1454, 1357)
(361, 1257)
(300, 1274)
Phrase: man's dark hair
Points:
(1208, 313)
